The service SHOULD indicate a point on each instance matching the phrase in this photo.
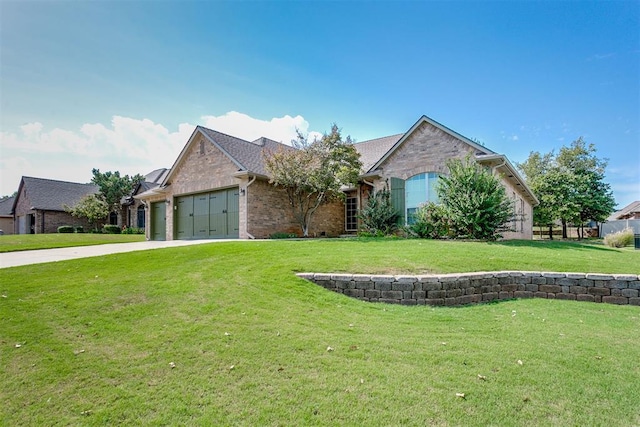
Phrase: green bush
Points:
(378, 217)
(79, 229)
(65, 229)
(133, 230)
(619, 239)
(281, 235)
(111, 229)
(430, 222)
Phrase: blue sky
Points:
(119, 85)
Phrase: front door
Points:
(158, 221)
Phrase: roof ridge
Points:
(376, 139)
(58, 180)
(226, 134)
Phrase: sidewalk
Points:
(15, 259)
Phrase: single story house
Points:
(218, 186)
(6, 215)
(40, 205)
(133, 210)
(631, 211)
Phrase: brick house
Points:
(6, 215)
(40, 204)
(218, 186)
(133, 209)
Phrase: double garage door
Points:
(211, 215)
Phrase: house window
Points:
(113, 218)
(418, 190)
(140, 222)
(351, 214)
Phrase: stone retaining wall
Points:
(470, 288)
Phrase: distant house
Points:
(631, 211)
(40, 204)
(6, 215)
(218, 186)
(133, 210)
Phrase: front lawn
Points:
(27, 242)
(225, 334)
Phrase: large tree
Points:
(313, 172)
(114, 187)
(569, 185)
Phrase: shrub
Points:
(431, 222)
(80, 229)
(65, 229)
(619, 239)
(379, 217)
(111, 229)
(281, 235)
(133, 230)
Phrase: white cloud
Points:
(514, 137)
(126, 144)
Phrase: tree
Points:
(475, 201)
(569, 185)
(114, 187)
(312, 173)
(90, 207)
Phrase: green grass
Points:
(27, 242)
(98, 335)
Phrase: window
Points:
(351, 214)
(140, 222)
(419, 189)
(113, 218)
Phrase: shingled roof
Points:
(52, 195)
(372, 150)
(6, 206)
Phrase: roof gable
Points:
(246, 155)
(53, 195)
(371, 151)
(424, 119)
(6, 206)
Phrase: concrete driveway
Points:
(14, 259)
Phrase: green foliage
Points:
(474, 200)
(431, 222)
(282, 235)
(313, 173)
(619, 239)
(133, 230)
(79, 229)
(65, 229)
(378, 217)
(113, 187)
(111, 229)
(90, 207)
(570, 185)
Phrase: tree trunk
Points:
(550, 231)
(564, 229)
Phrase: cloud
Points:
(514, 137)
(126, 144)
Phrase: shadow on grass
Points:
(553, 244)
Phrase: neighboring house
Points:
(6, 215)
(133, 210)
(218, 186)
(631, 211)
(40, 205)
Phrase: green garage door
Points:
(211, 215)
(158, 221)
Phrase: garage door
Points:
(212, 215)
(158, 221)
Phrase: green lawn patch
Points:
(252, 344)
(27, 242)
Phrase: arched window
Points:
(140, 222)
(419, 189)
(113, 218)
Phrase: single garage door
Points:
(158, 221)
(212, 215)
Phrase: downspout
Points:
(246, 195)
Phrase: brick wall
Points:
(268, 212)
(471, 288)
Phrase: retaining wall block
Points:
(509, 288)
(578, 290)
(617, 284)
(355, 293)
(586, 283)
(540, 294)
(306, 276)
(566, 296)
(585, 297)
(532, 273)
(321, 276)
(626, 277)
(599, 291)
(554, 275)
(388, 301)
(383, 278)
(567, 282)
(372, 293)
(615, 300)
(634, 301)
(342, 277)
(489, 296)
(592, 276)
(407, 286)
(464, 299)
(391, 294)
(550, 288)
(523, 294)
(524, 280)
(406, 279)
(539, 280)
(419, 294)
(616, 292)
(436, 294)
(431, 286)
(382, 286)
(408, 302)
(634, 285)
(577, 276)
(435, 301)
(505, 295)
(630, 293)
(531, 288)
(361, 277)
